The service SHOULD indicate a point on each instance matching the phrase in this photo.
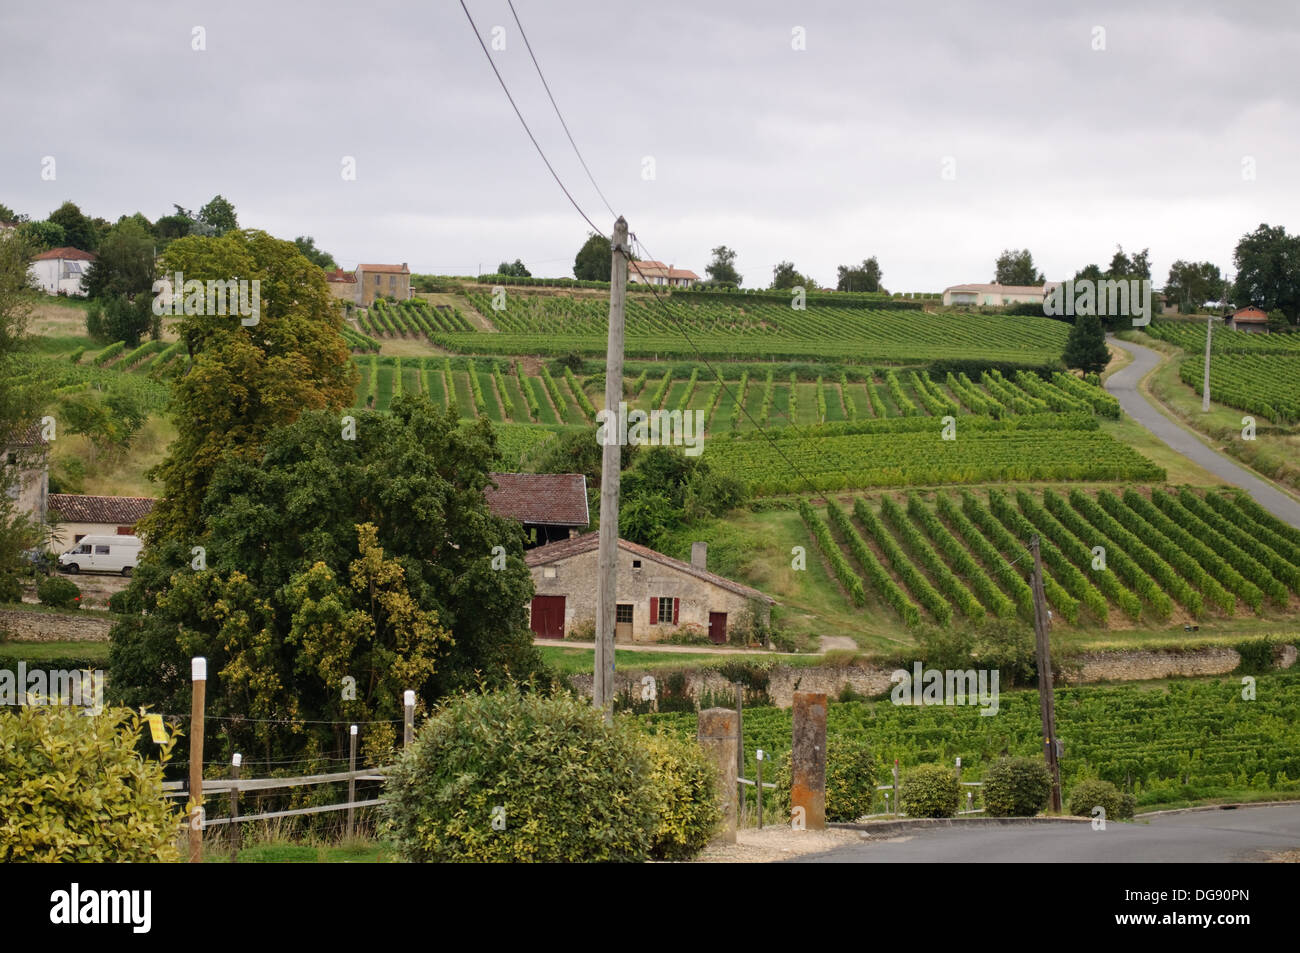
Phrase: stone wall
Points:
(20, 626)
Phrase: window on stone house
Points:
(665, 613)
(623, 612)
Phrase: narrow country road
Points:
(1244, 834)
(1124, 385)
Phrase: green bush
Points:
(562, 785)
(77, 791)
(59, 593)
(929, 790)
(1091, 793)
(1016, 787)
(10, 589)
(850, 779)
(686, 786)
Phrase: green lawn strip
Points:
(548, 415)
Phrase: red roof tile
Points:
(67, 253)
(338, 274)
(544, 499)
(386, 269)
(1251, 315)
(120, 510)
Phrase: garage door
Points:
(548, 617)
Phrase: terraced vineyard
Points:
(758, 328)
(1164, 555)
(1190, 740)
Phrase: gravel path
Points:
(1124, 385)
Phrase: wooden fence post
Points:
(758, 783)
(897, 809)
(235, 835)
(199, 681)
(717, 736)
(808, 758)
(408, 732)
(352, 781)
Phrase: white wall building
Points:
(995, 295)
(60, 270)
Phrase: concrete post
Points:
(718, 731)
(808, 758)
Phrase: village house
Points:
(657, 273)
(60, 270)
(1249, 318)
(382, 281)
(551, 506)
(79, 516)
(657, 595)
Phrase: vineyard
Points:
(1190, 740)
(1165, 555)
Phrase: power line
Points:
(547, 87)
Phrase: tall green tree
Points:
(7, 214)
(1191, 284)
(1085, 348)
(125, 262)
(18, 405)
(515, 269)
(594, 259)
(1268, 271)
(318, 256)
(1016, 267)
(786, 276)
(42, 236)
(218, 216)
(326, 559)
(722, 269)
(78, 230)
(245, 380)
(863, 277)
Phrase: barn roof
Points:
(120, 510)
(541, 499)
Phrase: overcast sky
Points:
(823, 156)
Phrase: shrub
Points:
(562, 785)
(10, 589)
(77, 791)
(850, 779)
(687, 789)
(929, 790)
(1016, 787)
(1090, 793)
(59, 593)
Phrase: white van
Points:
(102, 554)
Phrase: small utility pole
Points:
(1046, 701)
(607, 561)
(199, 681)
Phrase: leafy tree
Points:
(171, 227)
(42, 236)
(118, 318)
(245, 380)
(1085, 348)
(1191, 284)
(219, 216)
(576, 452)
(124, 265)
(665, 489)
(17, 402)
(722, 269)
(7, 214)
(784, 276)
(78, 230)
(1016, 267)
(328, 558)
(515, 270)
(594, 259)
(317, 256)
(1268, 271)
(864, 277)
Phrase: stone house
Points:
(1249, 318)
(657, 595)
(342, 284)
(376, 281)
(657, 273)
(80, 516)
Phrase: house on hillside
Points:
(376, 281)
(80, 516)
(995, 295)
(657, 595)
(551, 505)
(60, 270)
(343, 285)
(657, 273)
(27, 470)
(1249, 318)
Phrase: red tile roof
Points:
(568, 548)
(1251, 315)
(543, 499)
(386, 269)
(67, 253)
(119, 510)
(30, 437)
(338, 274)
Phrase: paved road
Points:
(1124, 385)
(1244, 834)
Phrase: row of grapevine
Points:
(989, 555)
(839, 565)
(992, 598)
(877, 575)
(530, 396)
(685, 400)
(916, 583)
(924, 553)
(579, 394)
(740, 400)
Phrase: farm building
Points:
(657, 595)
(343, 284)
(995, 295)
(60, 270)
(382, 281)
(657, 273)
(1249, 318)
(552, 504)
(80, 516)
(27, 465)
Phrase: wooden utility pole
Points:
(602, 695)
(408, 718)
(1205, 386)
(1046, 700)
(235, 836)
(199, 680)
(352, 777)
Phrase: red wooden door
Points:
(548, 617)
(718, 627)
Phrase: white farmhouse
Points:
(995, 295)
(60, 270)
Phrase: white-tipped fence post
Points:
(352, 781)
(408, 733)
(199, 681)
(758, 784)
(235, 836)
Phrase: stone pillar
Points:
(717, 736)
(808, 758)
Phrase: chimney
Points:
(699, 555)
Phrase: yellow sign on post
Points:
(156, 729)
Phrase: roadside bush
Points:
(850, 779)
(687, 789)
(1016, 787)
(1091, 793)
(77, 791)
(560, 784)
(929, 790)
(59, 593)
